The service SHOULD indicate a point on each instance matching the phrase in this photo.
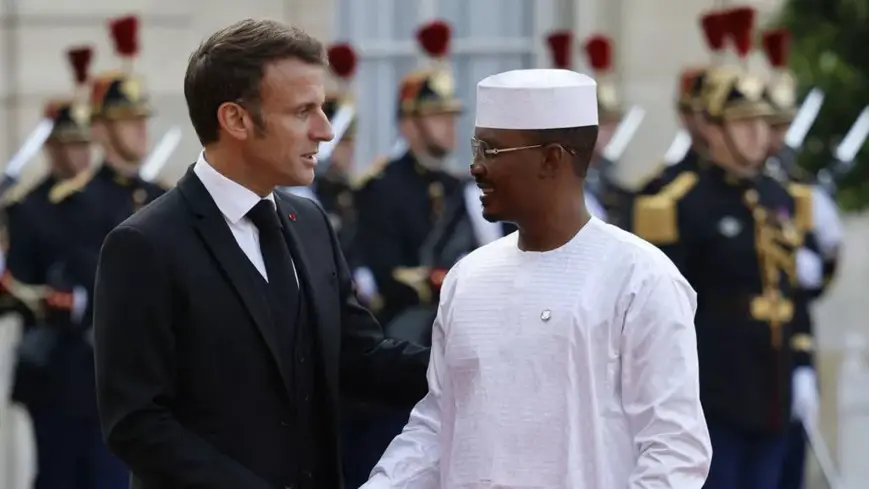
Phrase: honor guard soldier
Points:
(333, 186)
(400, 201)
(560, 45)
(399, 204)
(54, 246)
(120, 112)
(734, 231)
(816, 262)
(601, 179)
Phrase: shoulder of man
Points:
(655, 216)
(66, 188)
(27, 194)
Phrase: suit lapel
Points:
(302, 261)
(300, 256)
(219, 240)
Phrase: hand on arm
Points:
(135, 362)
(661, 388)
(374, 368)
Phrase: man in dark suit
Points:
(225, 314)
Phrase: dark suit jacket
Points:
(191, 387)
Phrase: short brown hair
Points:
(229, 66)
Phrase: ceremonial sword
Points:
(822, 455)
(31, 146)
(845, 153)
(796, 133)
(155, 161)
(678, 148)
(615, 149)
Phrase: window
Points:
(489, 36)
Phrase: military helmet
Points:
(782, 87)
(691, 81)
(731, 92)
(430, 90)
(71, 121)
(120, 94)
(71, 115)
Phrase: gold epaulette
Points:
(373, 171)
(67, 187)
(655, 216)
(802, 195)
(17, 194)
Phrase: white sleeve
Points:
(661, 387)
(412, 460)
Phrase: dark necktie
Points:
(276, 255)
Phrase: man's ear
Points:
(554, 158)
(234, 120)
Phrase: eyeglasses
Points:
(480, 150)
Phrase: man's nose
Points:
(323, 132)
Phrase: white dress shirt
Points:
(234, 202)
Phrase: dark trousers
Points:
(367, 432)
(794, 466)
(71, 454)
(742, 461)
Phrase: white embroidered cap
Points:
(537, 99)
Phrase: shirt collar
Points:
(233, 199)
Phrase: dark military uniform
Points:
(55, 238)
(399, 203)
(116, 96)
(735, 240)
(399, 207)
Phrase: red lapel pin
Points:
(292, 217)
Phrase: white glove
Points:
(806, 402)
(810, 269)
(366, 286)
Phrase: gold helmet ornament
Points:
(431, 90)
(120, 94)
(71, 116)
(783, 85)
(730, 92)
(712, 24)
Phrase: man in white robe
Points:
(563, 355)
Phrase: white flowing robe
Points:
(604, 394)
